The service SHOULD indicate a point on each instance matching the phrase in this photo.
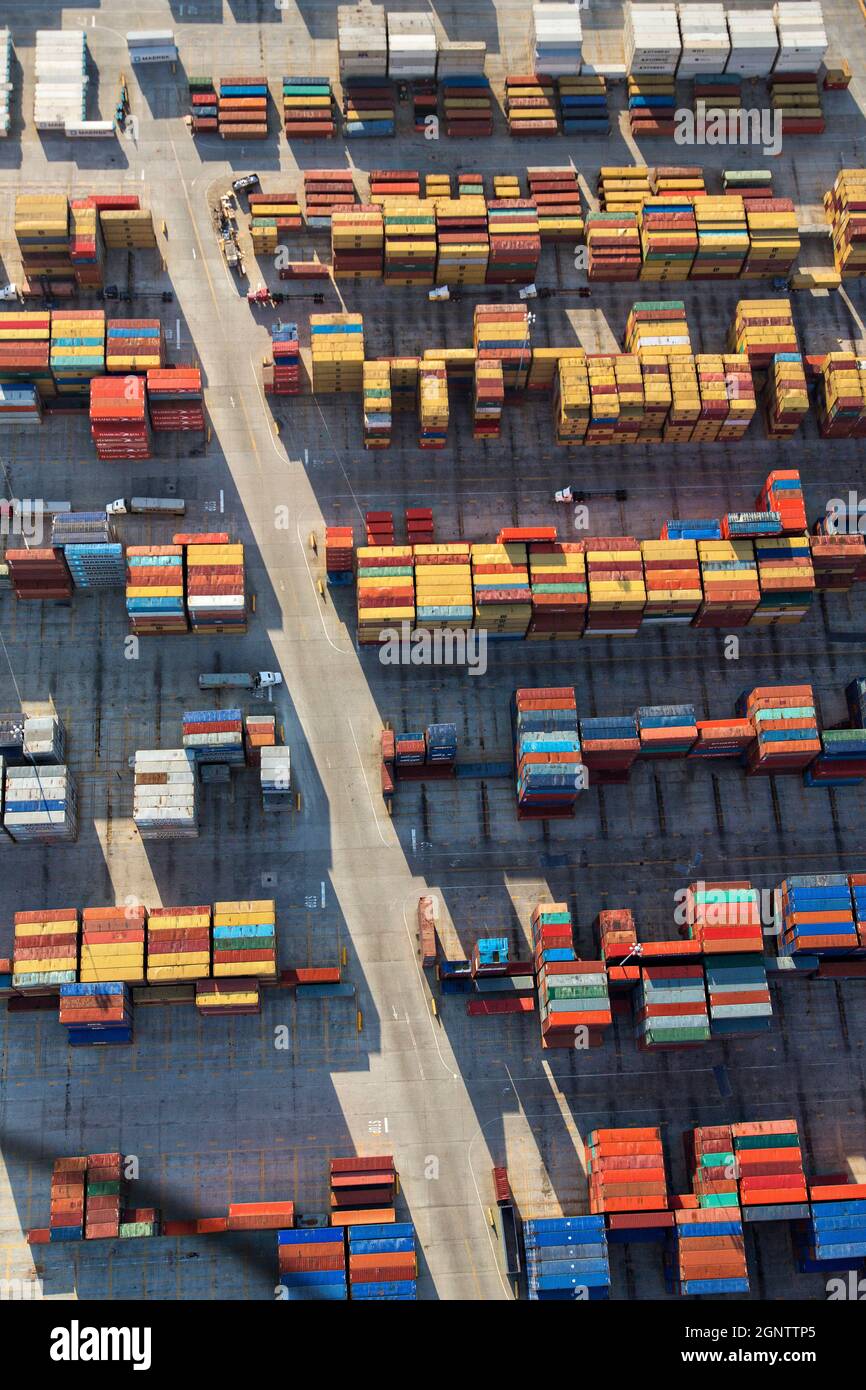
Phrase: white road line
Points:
(506, 1289)
(367, 785)
(455, 1076)
(281, 453)
(341, 650)
(415, 1046)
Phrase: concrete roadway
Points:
(216, 1112)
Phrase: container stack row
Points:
(547, 752)
(566, 1258)
(98, 1014)
(309, 108)
(40, 805)
(312, 1265)
(242, 108)
(382, 1262)
(60, 93)
(363, 1191)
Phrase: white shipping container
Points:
(157, 53)
(149, 36)
(802, 35)
(36, 786)
(411, 45)
(214, 601)
(652, 39)
(168, 808)
(83, 129)
(362, 41)
(556, 38)
(705, 39)
(754, 42)
(461, 59)
(60, 65)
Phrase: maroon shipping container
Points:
(381, 1163)
(501, 1185)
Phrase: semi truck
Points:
(146, 506)
(239, 680)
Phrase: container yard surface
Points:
(212, 1109)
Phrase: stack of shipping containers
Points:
(357, 242)
(324, 190)
(271, 216)
(845, 207)
(178, 944)
(530, 105)
(113, 945)
(377, 404)
(165, 794)
(154, 589)
(626, 1170)
(386, 590)
(312, 1266)
(671, 1006)
(566, 1258)
(547, 752)
(45, 948)
(433, 409)
(133, 345)
(245, 939)
(337, 347)
(515, 241)
(215, 591)
(175, 400)
(77, 349)
(97, 1014)
(242, 109)
(41, 804)
(383, 1263)
(119, 422)
(39, 574)
(309, 110)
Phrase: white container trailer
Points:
(411, 46)
(362, 41)
(461, 59)
(81, 130)
(802, 35)
(165, 795)
(652, 40)
(556, 38)
(151, 46)
(61, 79)
(754, 42)
(705, 39)
(5, 79)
